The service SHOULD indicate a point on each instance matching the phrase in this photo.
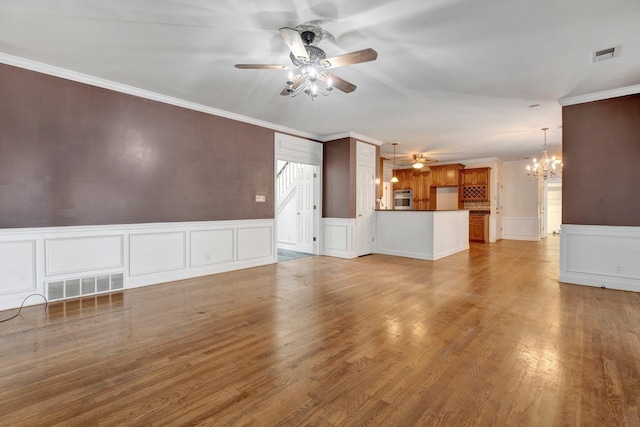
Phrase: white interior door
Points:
(365, 197)
(305, 208)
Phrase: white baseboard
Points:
(146, 254)
(601, 256)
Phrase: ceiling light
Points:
(307, 81)
(418, 164)
(394, 178)
(546, 167)
(534, 106)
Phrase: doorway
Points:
(554, 207)
(297, 191)
(295, 206)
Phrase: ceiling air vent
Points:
(604, 54)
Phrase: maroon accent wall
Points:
(74, 154)
(600, 154)
(339, 183)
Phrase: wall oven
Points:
(403, 199)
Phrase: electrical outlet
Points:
(207, 257)
(261, 198)
(619, 269)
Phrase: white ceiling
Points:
(453, 79)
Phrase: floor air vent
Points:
(82, 286)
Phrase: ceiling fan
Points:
(310, 63)
(417, 161)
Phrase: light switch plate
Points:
(261, 198)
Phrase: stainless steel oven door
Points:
(403, 199)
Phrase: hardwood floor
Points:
(484, 337)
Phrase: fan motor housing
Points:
(315, 55)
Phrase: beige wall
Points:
(74, 154)
(600, 154)
(339, 186)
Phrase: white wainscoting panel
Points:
(600, 256)
(339, 237)
(17, 267)
(210, 247)
(157, 252)
(145, 254)
(86, 253)
(519, 228)
(255, 243)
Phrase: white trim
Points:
(599, 96)
(602, 256)
(354, 135)
(63, 73)
(75, 76)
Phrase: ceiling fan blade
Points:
(338, 83)
(294, 41)
(261, 66)
(296, 84)
(364, 55)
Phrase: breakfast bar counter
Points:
(429, 235)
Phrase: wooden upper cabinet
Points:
(476, 176)
(446, 175)
(404, 179)
(475, 184)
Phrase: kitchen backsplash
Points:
(478, 206)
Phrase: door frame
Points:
(300, 150)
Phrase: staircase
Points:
(285, 183)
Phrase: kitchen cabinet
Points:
(479, 227)
(475, 176)
(405, 179)
(446, 175)
(475, 184)
(418, 181)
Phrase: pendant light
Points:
(394, 178)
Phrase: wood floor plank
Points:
(484, 337)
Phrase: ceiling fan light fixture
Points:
(417, 165)
(311, 63)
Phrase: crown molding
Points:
(355, 135)
(599, 96)
(141, 93)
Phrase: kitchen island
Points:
(429, 235)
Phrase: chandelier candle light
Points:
(307, 82)
(547, 167)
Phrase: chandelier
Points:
(309, 80)
(547, 167)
